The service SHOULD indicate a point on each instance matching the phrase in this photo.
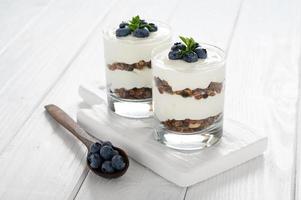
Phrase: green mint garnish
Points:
(190, 45)
(136, 23)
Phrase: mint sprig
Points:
(136, 23)
(190, 45)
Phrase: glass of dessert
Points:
(188, 94)
(127, 52)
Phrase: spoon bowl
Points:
(115, 174)
(67, 122)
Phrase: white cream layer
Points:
(180, 74)
(129, 79)
(168, 106)
(131, 49)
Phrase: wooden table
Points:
(49, 47)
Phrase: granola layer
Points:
(189, 125)
(129, 67)
(134, 93)
(198, 93)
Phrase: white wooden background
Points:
(49, 47)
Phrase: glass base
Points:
(190, 141)
(130, 108)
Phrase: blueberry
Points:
(95, 160)
(107, 152)
(116, 152)
(107, 167)
(123, 25)
(118, 163)
(178, 46)
(174, 55)
(89, 156)
(141, 33)
(122, 32)
(107, 143)
(202, 53)
(190, 57)
(153, 27)
(95, 147)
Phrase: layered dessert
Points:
(188, 91)
(127, 51)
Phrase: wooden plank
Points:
(207, 21)
(262, 90)
(16, 16)
(297, 170)
(33, 63)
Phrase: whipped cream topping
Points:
(162, 33)
(180, 74)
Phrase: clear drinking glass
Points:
(188, 99)
(128, 70)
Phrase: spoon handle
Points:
(66, 121)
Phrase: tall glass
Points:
(188, 99)
(128, 70)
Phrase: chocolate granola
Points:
(129, 67)
(198, 93)
(189, 125)
(134, 93)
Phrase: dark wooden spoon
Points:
(66, 121)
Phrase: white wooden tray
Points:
(238, 145)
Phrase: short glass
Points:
(128, 70)
(188, 99)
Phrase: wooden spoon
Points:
(66, 121)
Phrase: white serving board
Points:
(238, 145)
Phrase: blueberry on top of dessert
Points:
(137, 27)
(189, 51)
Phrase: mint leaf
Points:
(190, 44)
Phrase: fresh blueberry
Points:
(95, 147)
(174, 55)
(107, 152)
(123, 25)
(178, 46)
(95, 160)
(107, 143)
(141, 32)
(107, 167)
(122, 32)
(153, 27)
(190, 57)
(116, 152)
(118, 163)
(89, 156)
(202, 53)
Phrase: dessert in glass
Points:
(188, 94)
(127, 52)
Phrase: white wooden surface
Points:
(48, 47)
